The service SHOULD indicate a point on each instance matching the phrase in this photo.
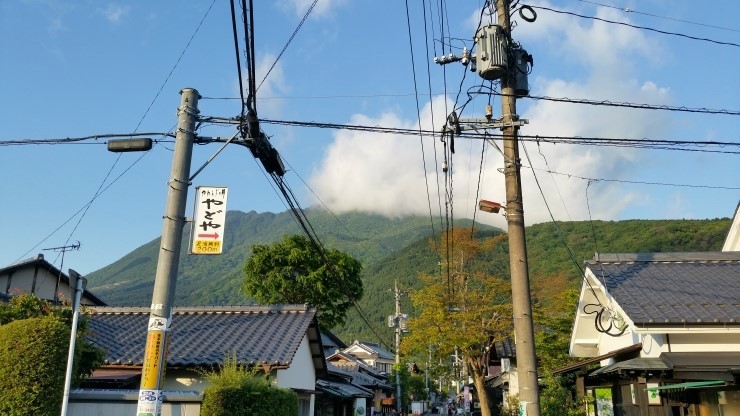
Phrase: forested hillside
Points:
(549, 248)
(216, 280)
(393, 250)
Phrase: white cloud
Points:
(114, 12)
(273, 86)
(383, 173)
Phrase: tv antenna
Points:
(62, 249)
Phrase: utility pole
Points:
(498, 57)
(151, 392)
(520, 294)
(398, 346)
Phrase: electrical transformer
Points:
(521, 71)
(490, 52)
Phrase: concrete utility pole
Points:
(160, 317)
(522, 307)
(497, 57)
(398, 347)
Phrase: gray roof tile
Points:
(673, 288)
(204, 336)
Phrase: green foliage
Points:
(216, 280)
(417, 388)
(510, 406)
(393, 249)
(237, 391)
(555, 319)
(293, 271)
(466, 312)
(25, 306)
(33, 363)
(548, 256)
(404, 378)
(558, 400)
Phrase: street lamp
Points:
(142, 144)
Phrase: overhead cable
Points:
(638, 27)
(305, 16)
(630, 10)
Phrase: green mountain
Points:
(553, 249)
(216, 280)
(392, 250)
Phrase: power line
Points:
(596, 141)
(179, 58)
(638, 27)
(76, 140)
(418, 116)
(607, 103)
(300, 217)
(102, 187)
(250, 54)
(305, 16)
(87, 205)
(629, 10)
(631, 105)
(238, 56)
(664, 144)
(635, 182)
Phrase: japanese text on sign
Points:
(208, 220)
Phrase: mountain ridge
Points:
(392, 250)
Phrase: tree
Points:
(295, 271)
(464, 310)
(32, 366)
(553, 312)
(26, 305)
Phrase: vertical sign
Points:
(150, 398)
(208, 220)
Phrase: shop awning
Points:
(688, 385)
(634, 364)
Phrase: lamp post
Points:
(151, 393)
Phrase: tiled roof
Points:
(204, 336)
(372, 348)
(343, 390)
(658, 289)
(331, 343)
(369, 377)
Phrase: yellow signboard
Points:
(154, 351)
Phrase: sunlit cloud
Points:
(384, 174)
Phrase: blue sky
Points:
(81, 68)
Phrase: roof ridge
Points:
(205, 309)
(708, 256)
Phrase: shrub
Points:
(33, 362)
(237, 391)
(26, 305)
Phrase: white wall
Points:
(704, 343)
(732, 242)
(301, 374)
